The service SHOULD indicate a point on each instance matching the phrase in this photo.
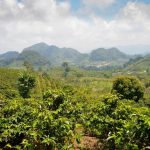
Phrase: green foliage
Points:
(71, 107)
(119, 124)
(65, 65)
(56, 98)
(147, 82)
(8, 86)
(141, 65)
(133, 60)
(128, 88)
(32, 124)
(25, 83)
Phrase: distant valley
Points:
(44, 55)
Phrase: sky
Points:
(80, 24)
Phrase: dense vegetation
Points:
(25, 84)
(60, 110)
(128, 88)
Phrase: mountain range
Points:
(44, 55)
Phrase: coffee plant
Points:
(118, 125)
(42, 124)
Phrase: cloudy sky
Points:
(80, 24)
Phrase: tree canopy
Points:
(128, 88)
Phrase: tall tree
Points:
(65, 65)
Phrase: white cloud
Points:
(32, 21)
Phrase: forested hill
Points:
(140, 64)
(102, 54)
(43, 55)
(57, 55)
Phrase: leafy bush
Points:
(119, 124)
(32, 124)
(128, 88)
(25, 83)
(55, 98)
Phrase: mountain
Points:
(8, 57)
(107, 58)
(57, 55)
(32, 57)
(14, 59)
(42, 55)
(111, 54)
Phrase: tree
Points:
(25, 83)
(128, 88)
(66, 68)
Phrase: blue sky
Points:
(74, 23)
(108, 13)
(76, 4)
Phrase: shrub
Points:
(30, 124)
(25, 83)
(120, 125)
(128, 88)
(54, 98)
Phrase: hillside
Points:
(102, 58)
(111, 54)
(42, 55)
(33, 57)
(8, 57)
(16, 60)
(141, 64)
(57, 55)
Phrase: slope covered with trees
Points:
(41, 55)
(140, 64)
